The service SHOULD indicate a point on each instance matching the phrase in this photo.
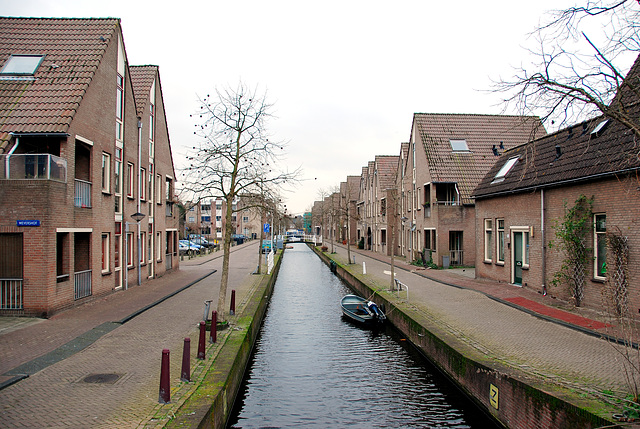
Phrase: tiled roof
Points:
(387, 168)
(73, 48)
(582, 156)
(142, 78)
(481, 133)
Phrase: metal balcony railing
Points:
(82, 284)
(11, 294)
(456, 257)
(82, 194)
(33, 166)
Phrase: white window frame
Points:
(130, 180)
(488, 240)
(106, 173)
(106, 252)
(159, 246)
(500, 241)
(596, 234)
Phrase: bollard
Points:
(186, 361)
(232, 309)
(165, 388)
(214, 327)
(364, 268)
(201, 342)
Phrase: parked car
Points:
(238, 238)
(266, 246)
(201, 241)
(185, 246)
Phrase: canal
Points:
(311, 368)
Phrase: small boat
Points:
(362, 311)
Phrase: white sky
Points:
(345, 76)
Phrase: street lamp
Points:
(137, 216)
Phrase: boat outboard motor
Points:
(375, 310)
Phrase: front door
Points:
(517, 257)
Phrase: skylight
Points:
(22, 64)
(599, 127)
(505, 169)
(459, 145)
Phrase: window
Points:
(192, 219)
(150, 245)
(459, 145)
(118, 179)
(130, 247)
(131, 176)
(105, 252)
(505, 169)
(500, 243)
(151, 129)
(600, 244)
(106, 172)
(142, 183)
(159, 188)
(117, 243)
(143, 242)
(159, 246)
(150, 192)
(430, 239)
(22, 65)
(169, 189)
(245, 219)
(488, 240)
(599, 127)
(119, 107)
(62, 261)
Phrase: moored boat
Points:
(361, 310)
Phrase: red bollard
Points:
(186, 361)
(201, 342)
(165, 387)
(232, 310)
(214, 327)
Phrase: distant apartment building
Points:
(86, 171)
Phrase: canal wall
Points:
(212, 403)
(511, 398)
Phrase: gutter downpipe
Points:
(8, 165)
(544, 247)
(140, 184)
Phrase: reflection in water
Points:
(311, 368)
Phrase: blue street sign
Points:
(28, 222)
(266, 227)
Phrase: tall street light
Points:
(138, 217)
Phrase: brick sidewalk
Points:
(57, 396)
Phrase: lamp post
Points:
(138, 217)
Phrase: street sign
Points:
(266, 227)
(28, 222)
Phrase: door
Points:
(517, 257)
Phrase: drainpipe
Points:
(13, 149)
(140, 184)
(544, 247)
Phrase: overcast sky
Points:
(345, 76)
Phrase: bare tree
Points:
(579, 66)
(234, 157)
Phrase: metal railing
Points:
(168, 209)
(168, 261)
(82, 194)
(82, 284)
(33, 166)
(11, 294)
(456, 257)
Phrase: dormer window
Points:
(599, 128)
(505, 169)
(22, 65)
(459, 145)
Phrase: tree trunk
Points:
(224, 279)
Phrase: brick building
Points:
(445, 159)
(523, 199)
(84, 146)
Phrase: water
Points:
(313, 369)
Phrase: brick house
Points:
(446, 157)
(72, 174)
(376, 190)
(523, 199)
(349, 192)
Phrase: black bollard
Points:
(232, 309)
(201, 342)
(165, 386)
(186, 361)
(214, 327)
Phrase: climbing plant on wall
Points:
(617, 283)
(571, 234)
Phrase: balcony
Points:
(82, 284)
(10, 294)
(82, 194)
(33, 166)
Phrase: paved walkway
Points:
(509, 326)
(56, 395)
